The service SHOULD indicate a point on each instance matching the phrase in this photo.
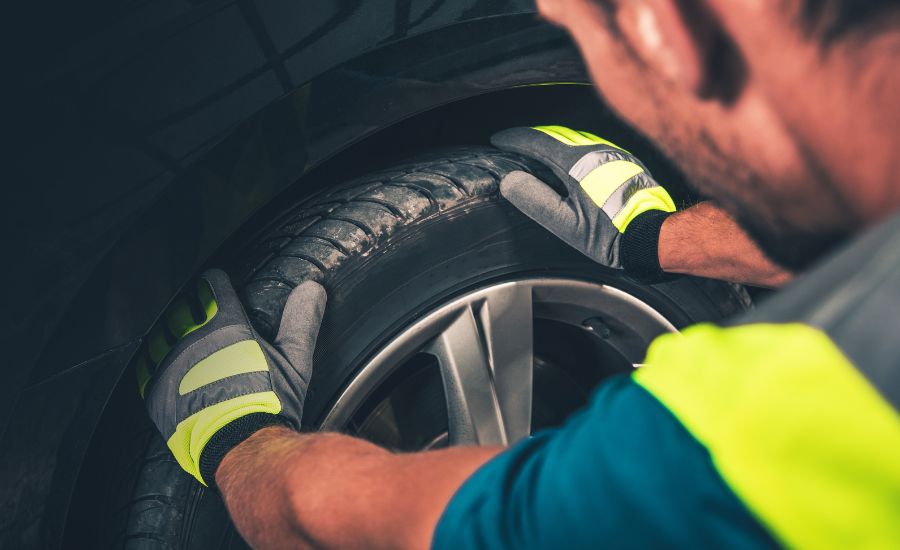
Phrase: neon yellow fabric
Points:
(574, 137)
(181, 321)
(654, 198)
(239, 358)
(194, 432)
(179, 318)
(157, 344)
(208, 299)
(794, 429)
(603, 180)
(143, 371)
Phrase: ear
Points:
(674, 37)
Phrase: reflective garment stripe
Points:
(616, 187)
(607, 178)
(574, 137)
(239, 358)
(794, 429)
(194, 432)
(643, 200)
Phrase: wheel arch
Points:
(377, 99)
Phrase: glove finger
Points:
(226, 299)
(201, 308)
(299, 328)
(554, 154)
(540, 202)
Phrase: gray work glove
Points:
(614, 208)
(209, 380)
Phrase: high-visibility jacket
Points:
(779, 429)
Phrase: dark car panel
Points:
(147, 133)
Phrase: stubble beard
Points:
(742, 192)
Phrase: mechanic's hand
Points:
(210, 381)
(608, 191)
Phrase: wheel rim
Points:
(482, 345)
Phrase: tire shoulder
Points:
(353, 218)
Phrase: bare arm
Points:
(285, 489)
(705, 241)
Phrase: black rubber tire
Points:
(387, 247)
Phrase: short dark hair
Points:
(831, 19)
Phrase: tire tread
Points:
(353, 218)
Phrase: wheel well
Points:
(467, 122)
(472, 121)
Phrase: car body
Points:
(148, 133)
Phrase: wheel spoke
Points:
(472, 408)
(486, 363)
(506, 318)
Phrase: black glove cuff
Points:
(640, 248)
(230, 436)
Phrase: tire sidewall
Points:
(483, 241)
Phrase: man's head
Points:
(784, 111)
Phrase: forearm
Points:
(705, 241)
(285, 489)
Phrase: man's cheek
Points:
(626, 96)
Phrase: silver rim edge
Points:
(482, 342)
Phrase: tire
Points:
(388, 247)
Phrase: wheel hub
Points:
(496, 364)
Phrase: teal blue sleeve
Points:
(622, 473)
